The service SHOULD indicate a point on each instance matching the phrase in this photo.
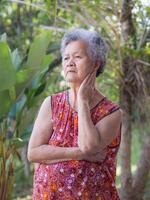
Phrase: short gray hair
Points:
(96, 45)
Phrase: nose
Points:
(70, 62)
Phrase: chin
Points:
(71, 79)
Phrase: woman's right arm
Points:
(39, 151)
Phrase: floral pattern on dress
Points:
(76, 180)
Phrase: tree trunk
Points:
(127, 31)
(142, 171)
(131, 187)
(125, 148)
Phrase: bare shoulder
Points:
(43, 126)
(46, 101)
(109, 126)
(118, 114)
(45, 108)
(115, 116)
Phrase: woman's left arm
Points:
(94, 138)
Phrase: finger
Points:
(87, 79)
(91, 77)
(91, 80)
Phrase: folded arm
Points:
(94, 138)
(38, 149)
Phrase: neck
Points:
(73, 96)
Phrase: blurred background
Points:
(30, 70)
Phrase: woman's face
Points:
(76, 62)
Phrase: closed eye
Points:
(78, 56)
(66, 58)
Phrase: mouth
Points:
(71, 71)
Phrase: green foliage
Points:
(7, 78)
(8, 150)
(16, 101)
(5, 101)
(38, 50)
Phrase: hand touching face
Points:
(87, 87)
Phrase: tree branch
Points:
(54, 28)
(40, 7)
(143, 63)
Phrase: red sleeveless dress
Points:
(76, 180)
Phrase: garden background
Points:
(30, 70)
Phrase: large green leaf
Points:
(3, 37)
(7, 71)
(16, 59)
(25, 75)
(40, 89)
(5, 102)
(24, 79)
(38, 49)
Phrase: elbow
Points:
(85, 150)
(90, 149)
(30, 156)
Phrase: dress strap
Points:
(106, 108)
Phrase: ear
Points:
(97, 64)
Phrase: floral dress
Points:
(76, 180)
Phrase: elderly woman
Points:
(77, 132)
